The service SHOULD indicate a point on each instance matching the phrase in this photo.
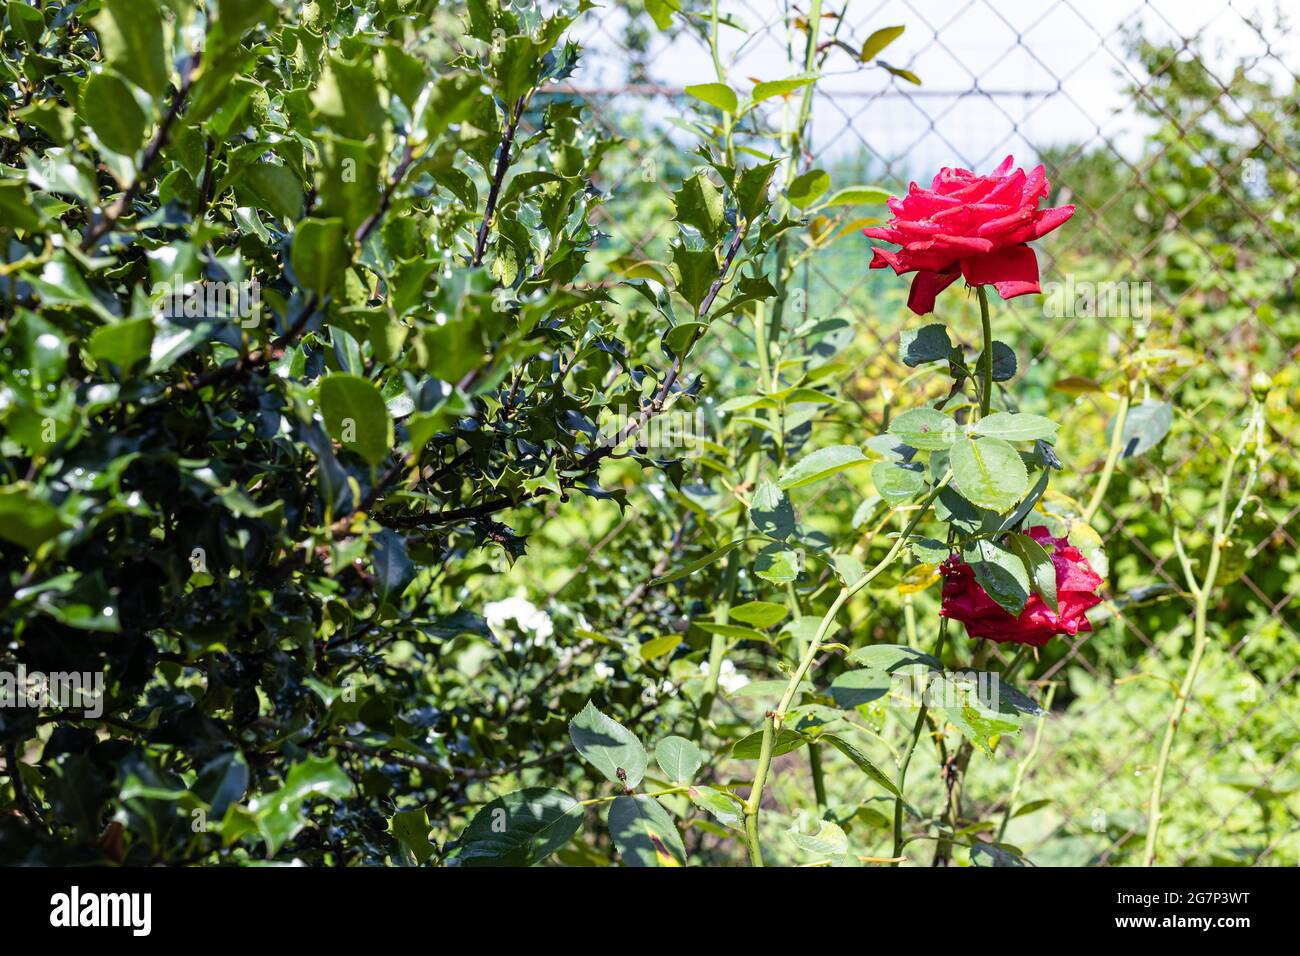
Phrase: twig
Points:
(246, 363)
(498, 176)
(151, 153)
(421, 763)
(386, 199)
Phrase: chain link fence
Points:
(1172, 127)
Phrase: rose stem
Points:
(1024, 764)
(986, 365)
(1223, 523)
(1112, 457)
(921, 715)
(773, 719)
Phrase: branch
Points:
(246, 363)
(421, 763)
(498, 176)
(386, 199)
(151, 153)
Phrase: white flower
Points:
(524, 613)
(603, 671)
(729, 679)
(652, 692)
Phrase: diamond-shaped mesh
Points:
(1066, 83)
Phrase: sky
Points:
(997, 76)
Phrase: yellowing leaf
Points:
(918, 578)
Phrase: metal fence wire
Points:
(1068, 84)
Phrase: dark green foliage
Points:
(236, 509)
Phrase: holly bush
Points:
(294, 310)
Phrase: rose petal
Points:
(1012, 271)
(883, 257)
(1050, 219)
(925, 287)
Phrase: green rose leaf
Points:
(644, 833)
(1039, 562)
(857, 687)
(688, 569)
(749, 748)
(929, 343)
(807, 187)
(828, 842)
(1001, 573)
(521, 828)
(1017, 427)
(1004, 362)
(822, 463)
(1145, 427)
(770, 511)
(925, 428)
(858, 196)
(778, 565)
(608, 746)
(759, 613)
(896, 481)
(657, 647)
(860, 760)
(679, 758)
(721, 807)
(733, 632)
(893, 657)
(988, 472)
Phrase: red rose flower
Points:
(1076, 584)
(968, 225)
